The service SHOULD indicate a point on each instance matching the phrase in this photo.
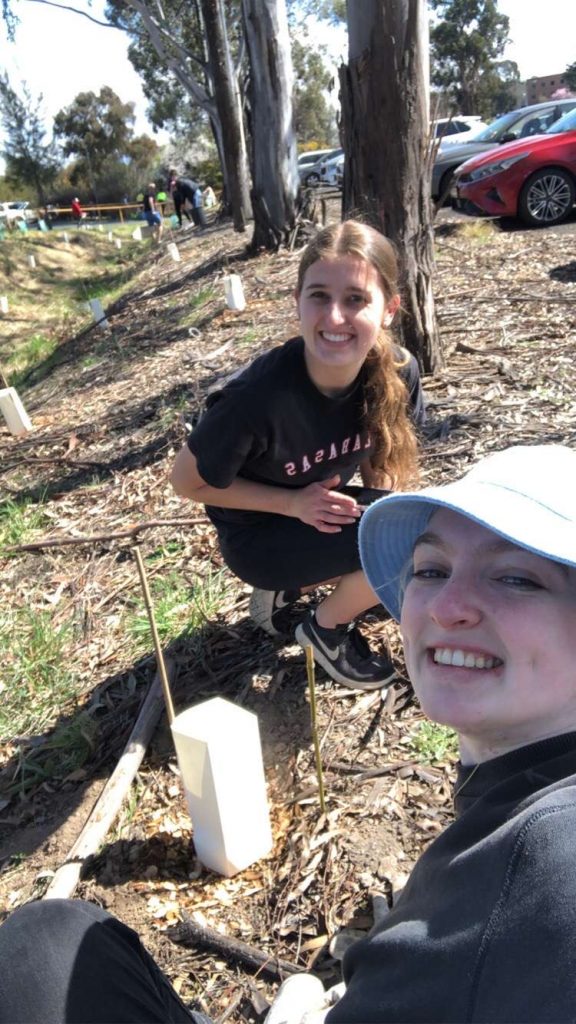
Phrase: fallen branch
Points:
(112, 796)
(96, 538)
(189, 933)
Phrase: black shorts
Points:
(282, 553)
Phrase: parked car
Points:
(458, 128)
(17, 210)
(313, 175)
(533, 178)
(307, 160)
(517, 124)
(332, 171)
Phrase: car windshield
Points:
(493, 132)
(564, 124)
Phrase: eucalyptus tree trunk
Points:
(229, 107)
(273, 154)
(385, 113)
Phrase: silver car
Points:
(517, 124)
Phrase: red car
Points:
(533, 178)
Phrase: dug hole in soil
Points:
(110, 411)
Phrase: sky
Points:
(59, 53)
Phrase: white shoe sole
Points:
(260, 608)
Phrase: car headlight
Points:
(495, 168)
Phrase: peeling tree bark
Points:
(227, 100)
(384, 94)
(273, 156)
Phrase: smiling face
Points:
(342, 308)
(489, 633)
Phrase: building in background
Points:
(540, 89)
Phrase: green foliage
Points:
(170, 105)
(178, 607)
(95, 128)
(570, 76)
(314, 118)
(432, 743)
(332, 11)
(30, 158)
(36, 671)
(29, 354)
(201, 297)
(466, 40)
(18, 522)
(209, 172)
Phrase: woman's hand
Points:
(324, 508)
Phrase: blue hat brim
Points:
(391, 526)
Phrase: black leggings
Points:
(69, 962)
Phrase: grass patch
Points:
(36, 674)
(481, 231)
(179, 609)
(432, 743)
(249, 337)
(19, 521)
(28, 355)
(59, 756)
(109, 287)
(201, 297)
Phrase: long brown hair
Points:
(385, 395)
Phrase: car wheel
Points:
(547, 197)
(312, 180)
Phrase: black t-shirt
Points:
(149, 201)
(272, 425)
(187, 188)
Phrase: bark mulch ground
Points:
(110, 412)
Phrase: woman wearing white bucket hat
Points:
(482, 576)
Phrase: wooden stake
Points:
(190, 933)
(111, 798)
(310, 672)
(155, 637)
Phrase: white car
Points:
(308, 160)
(314, 173)
(16, 210)
(332, 172)
(453, 131)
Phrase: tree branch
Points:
(96, 538)
(64, 7)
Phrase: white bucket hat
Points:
(525, 494)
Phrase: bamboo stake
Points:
(310, 672)
(157, 647)
(111, 798)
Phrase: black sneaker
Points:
(345, 655)
(268, 609)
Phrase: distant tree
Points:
(384, 92)
(193, 47)
(95, 126)
(30, 158)
(499, 89)
(466, 40)
(333, 11)
(143, 154)
(570, 76)
(314, 118)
